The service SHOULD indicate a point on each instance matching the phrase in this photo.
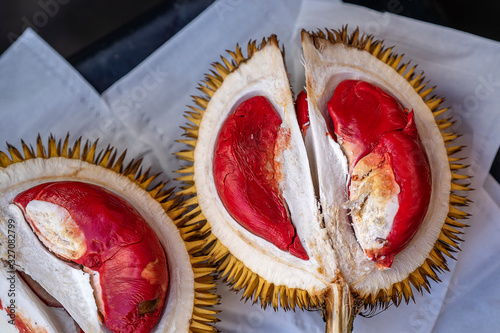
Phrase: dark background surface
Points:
(104, 40)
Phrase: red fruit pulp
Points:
(246, 175)
(361, 114)
(302, 112)
(367, 120)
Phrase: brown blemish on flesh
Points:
(283, 142)
(148, 306)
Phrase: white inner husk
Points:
(69, 285)
(14, 291)
(334, 246)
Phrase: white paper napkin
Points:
(40, 93)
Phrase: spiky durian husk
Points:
(449, 238)
(232, 269)
(203, 316)
(257, 288)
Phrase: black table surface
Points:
(104, 40)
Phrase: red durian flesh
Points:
(247, 176)
(118, 244)
(379, 135)
(361, 114)
(302, 112)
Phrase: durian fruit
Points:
(293, 210)
(140, 271)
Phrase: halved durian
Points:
(337, 276)
(189, 299)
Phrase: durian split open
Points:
(312, 174)
(43, 248)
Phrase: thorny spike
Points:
(92, 152)
(385, 55)
(28, 151)
(221, 70)
(65, 149)
(454, 150)
(434, 103)
(410, 73)
(14, 154)
(403, 67)
(104, 159)
(52, 147)
(239, 55)
(191, 143)
(439, 112)
(211, 82)
(201, 101)
(75, 152)
(206, 90)
(377, 49)
(417, 81)
(40, 149)
(421, 86)
(426, 92)
(230, 65)
(354, 41)
(4, 160)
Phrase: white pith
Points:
(72, 286)
(374, 222)
(327, 237)
(373, 202)
(53, 223)
(97, 288)
(29, 305)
